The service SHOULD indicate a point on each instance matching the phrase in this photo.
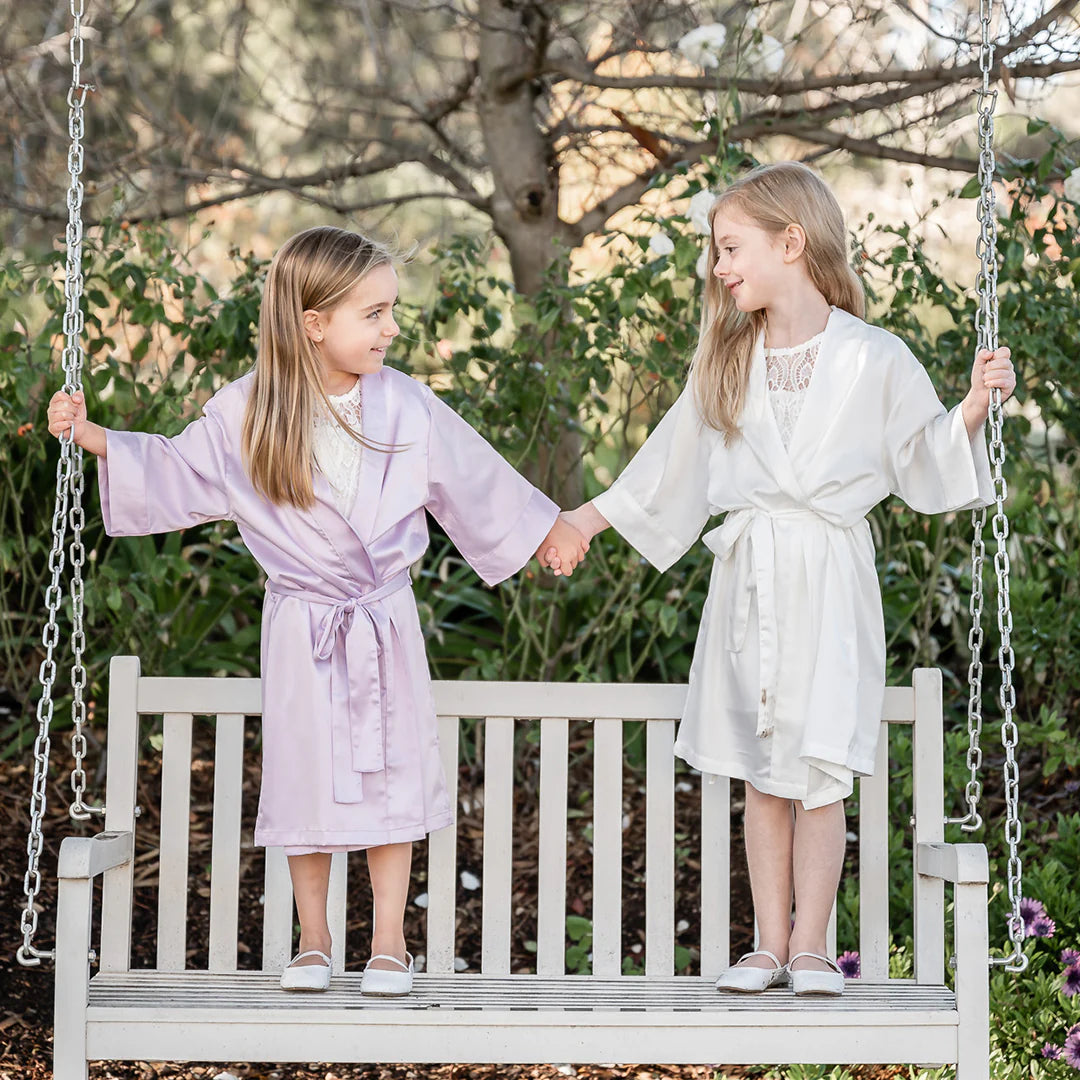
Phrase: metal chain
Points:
(69, 490)
(986, 327)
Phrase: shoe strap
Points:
(761, 952)
(394, 959)
(311, 952)
(816, 956)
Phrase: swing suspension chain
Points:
(986, 326)
(68, 507)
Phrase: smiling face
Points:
(752, 264)
(352, 337)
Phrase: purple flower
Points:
(1042, 927)
(1070, 985)
(1071, 1050)
(1049, 1050)
(1030, 910)
(1070, 956)
(850, 964)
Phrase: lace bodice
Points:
(787, 375)
(337, 454)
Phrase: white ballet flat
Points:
(307, 976)
(379, 982)
(817, 982)
(753, 980)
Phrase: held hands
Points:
(587, 521)
(563, 547)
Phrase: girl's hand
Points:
(587, 520)
(67, 413)
(992, 370)
(563, 548)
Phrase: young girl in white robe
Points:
(798, 418)
(327, 460)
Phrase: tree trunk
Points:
(525, 203)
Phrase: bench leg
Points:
(72, 995)
(972, 983)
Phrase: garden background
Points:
(543, 161)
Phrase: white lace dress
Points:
(787, 374)
(338, 454)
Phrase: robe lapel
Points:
(759, 428)
(373, 463)
(841, 356)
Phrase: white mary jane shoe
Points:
(379, 982)
(307, 976)
(817, 982)
(753, 980)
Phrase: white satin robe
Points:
(350, 745)
(788, 676)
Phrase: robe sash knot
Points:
(358, 731)
(747, 535)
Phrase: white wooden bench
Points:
(224, 1014)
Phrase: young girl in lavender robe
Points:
(799, 417)
(327, 460)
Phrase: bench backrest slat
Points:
(607, 846)
(277, 911)
(498, 843)
(659, 849)
(715, 874)
(551, 877)
(173, 843)
(442, 862)
(225, 841)
(874, 866)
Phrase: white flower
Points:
(767, 56)
(422, 900)
(1072, 186)
(661, 244)
(460, 964)
(702, 268)
(702, 46)
(700, 205)
(469, 880)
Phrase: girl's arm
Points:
(991, 370)
(67, 412)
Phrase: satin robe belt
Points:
(357, 735)
(748, 536)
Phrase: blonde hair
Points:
(772, 197)
(314, 270)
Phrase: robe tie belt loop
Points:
(358, 733)
(747, 535)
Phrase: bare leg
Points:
(311, 881)
(389, 867)
(768, 829)
(818, 863)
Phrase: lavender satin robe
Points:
(350, 747)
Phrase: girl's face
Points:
(754, 265)
(352, 337)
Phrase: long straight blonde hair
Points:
(772, 197)
(313, 270)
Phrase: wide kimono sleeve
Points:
(153, 484)
(494, 516)
(659, 504)
(931, 462)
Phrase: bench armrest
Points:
(88, 856)
(962, 864)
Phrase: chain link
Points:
(67, 509)
(986, 328)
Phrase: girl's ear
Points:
(794, 242)
(313, 326)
